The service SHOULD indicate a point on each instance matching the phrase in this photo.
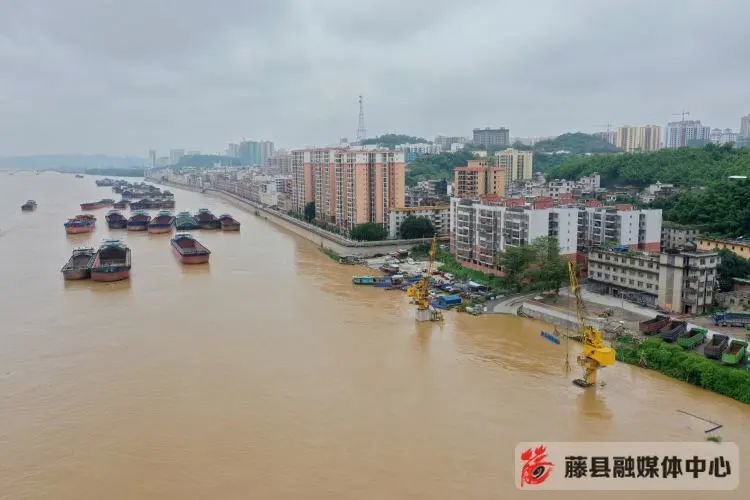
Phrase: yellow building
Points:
(518, 164)
(741, 248)
(640, 138)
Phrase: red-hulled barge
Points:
(189, 250)
(111, 262)
(229, 223)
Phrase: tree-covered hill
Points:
(392, 140)
(683, 167)
(576, 143)
(436, 166)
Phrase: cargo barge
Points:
(80, 224)
(206, 220)
(106, 202)
(111, 262)
(185, 221)
(29, 206)
(162, 223)
(229, 223)
(189, 250)
(78, 266)
(122, 204)
(115, 220)
(139, 221)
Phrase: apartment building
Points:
(489, 137)
(674, 236)
(518, 164)
(619, 225)
(737, 247)
(349, 186)
(439, 216)
(683, 133)
(477, 178)
(680, 282)
(639, 138)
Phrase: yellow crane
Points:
(595, 354)
(420, 291)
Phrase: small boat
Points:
(115, 220)
(139, 221)
(185, 221)
(166, 203)
(162, 223)
(229, 223)
(111, 262)
(206, 220)
(672, 330)
(78, 266)
(104, 182)
(189, 250)
(29, 206)
(364, 280)
(79, 176)
(122, 204)
(80, 224)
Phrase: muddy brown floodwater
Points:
(266, 374)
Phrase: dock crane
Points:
(594, 354)
(420, 291)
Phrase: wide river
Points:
(266, 374)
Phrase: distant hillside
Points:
(70, 162)
(683, 167)
(393, 140)
(576, 143)
(436, 166)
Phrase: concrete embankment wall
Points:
(320, 237)
(557, 318)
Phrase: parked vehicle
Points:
(735, 353)
(672, 330)
(653, 325)
(716, 346)
(732, 318)
(691, 338)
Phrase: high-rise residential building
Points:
(745, 126)
(478, 178)
(518, 164)
(727, 135)
(639, 138)
(446, 142)
(492, 137)
(175, 155)
(254, 153)
(480, 230)
(610, 136)
(152, 158)
(280, 162)
(233, 150)
(349, 186)
(685, 133)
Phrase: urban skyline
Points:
(131, 77)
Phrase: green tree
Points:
(731, 266)
(369, 231)
(417, 227)
(515, 262)
(390, 141)
(310, 211)
(549, 269)
(436, 166)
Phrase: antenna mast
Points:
(361, 131)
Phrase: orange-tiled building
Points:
(477, 178)
(349, 186)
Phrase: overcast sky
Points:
(124, 76)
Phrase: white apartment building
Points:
(438, 215)
(719, 136)
(682, 133)
(619, 225)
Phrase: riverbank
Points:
(324, 239)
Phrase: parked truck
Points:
(653, 325)
(735, 353)
(741, 319)
(691, 338)
(716, 346)
(672, 330)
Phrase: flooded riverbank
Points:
(266, 374)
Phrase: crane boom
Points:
(594, 354)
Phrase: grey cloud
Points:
(123, 77)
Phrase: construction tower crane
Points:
(420, 291)
(594, 354)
